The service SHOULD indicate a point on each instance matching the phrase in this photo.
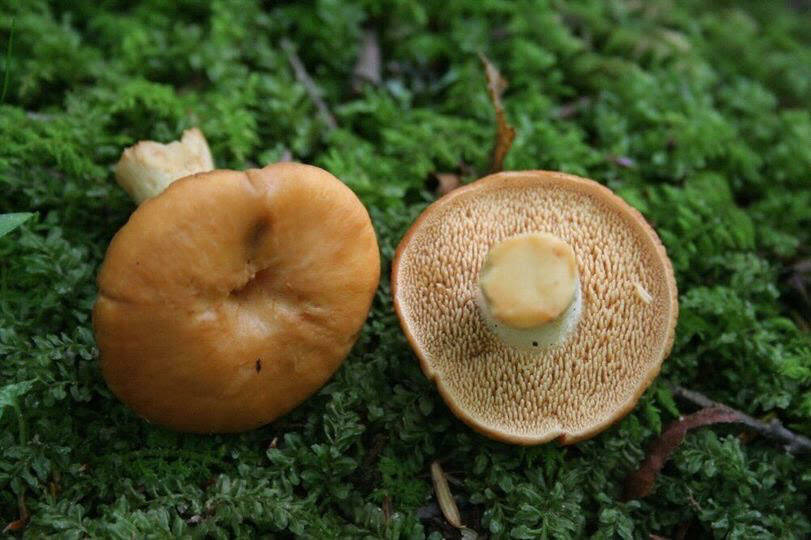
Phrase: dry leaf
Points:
(447, 183)
(444, 497)
(505, 133)
(640, 483)
(623, 161)
(567, 110)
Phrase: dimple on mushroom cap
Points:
(231, 297)
(569, 391)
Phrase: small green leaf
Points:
(9, 222)
(665, 398)
(10, 393)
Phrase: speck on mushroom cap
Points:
(568, 392)
(231, 297)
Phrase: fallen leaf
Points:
(640, 483)
(444, 497)
(623, 161)
(447, 182)
(567, 110)
(505, 133)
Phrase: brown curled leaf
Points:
(505, 133)
(444, 496)
(640, 483)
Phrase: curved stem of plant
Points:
(22, 426)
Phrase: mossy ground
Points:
(695, 112)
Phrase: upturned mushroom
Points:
(540, 303)
(229, 297)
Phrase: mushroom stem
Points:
(148, 167)
(529, 292)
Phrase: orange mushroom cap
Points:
(229, 298)
(610, 341)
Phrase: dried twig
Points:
(794, 443)
(8, 60)
(640, 483)
(505, 133)
(367, 68)
(386, 509)
(19, 524)
(309, 85)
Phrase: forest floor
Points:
(696, 113)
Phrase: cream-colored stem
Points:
(529, 291)
(147, 168)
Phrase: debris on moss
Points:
(694, 112)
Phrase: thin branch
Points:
(309, 85)
(367, 68)
(793, 443)
(8, 60)
(640, 483)
(20, 523)
(505, 133)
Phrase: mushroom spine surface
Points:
(522, 296)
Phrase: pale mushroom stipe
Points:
(540, 303)
(230, 297)
(529, 294)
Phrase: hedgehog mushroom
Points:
(230, 297)
(540, 303)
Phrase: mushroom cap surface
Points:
(231, 297)
(570, 391)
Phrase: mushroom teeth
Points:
(593, 372)
(231, 297)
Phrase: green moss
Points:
(707, 104)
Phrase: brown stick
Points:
(505, 133)
(640, 483)
(793, 443)
(19, 524)
(309, 85)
